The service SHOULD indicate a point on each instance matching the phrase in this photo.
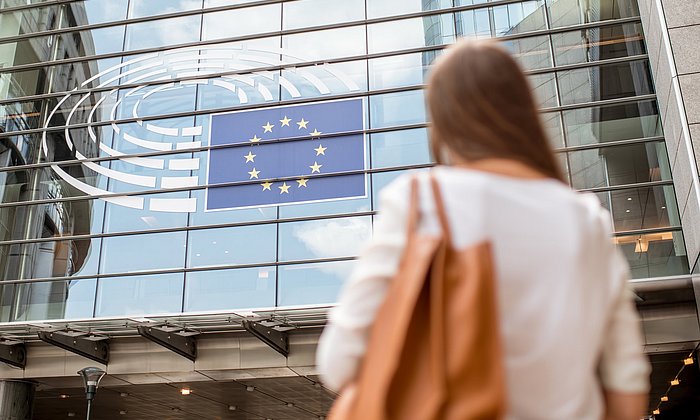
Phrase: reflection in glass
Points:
(411, 33)
(327, 44)
(230, 289)
(571, 12)
(598, 44)
(161, 33)
(70, 299)
(395, 109)
(397, 71)
(323, 238)
(308, 13)
(532, 52)
(140, 8)
(552, 125)
(399, 148)
(642, 208)
(234, 245)
(139, 295)
(155, 251)
(381, 8)
(607, 123)
(654, 254)
(609, 81)
(619, 165)
(240, 22)
(544, 89)
(498, 21)
(312, 284)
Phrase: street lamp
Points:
(91, 378)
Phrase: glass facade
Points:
(105, 113)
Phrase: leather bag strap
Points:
(413, 207)
(440, 209)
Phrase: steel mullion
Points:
(369, 131)
(305, 64)
(36, 6)
(101, 235)
(306, 30)
(298, 101)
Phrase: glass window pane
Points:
(643, 208)
(532, 53)
(474, 23)
(157, 251)
(91, 12)
(399, 148)
(161, 33)
(606, 123)
(230, 289)
(398, 71)
(544, 89)
(380, 8)
(395, 109)
(327, 44)
(619, 165)
(610, 81)
(654, 254)
(308, 13)
(323, 238)
(234, 245)
(598, 44)
(139, 295)
(516, 18)
(552, 125)
(73, 299)
(312, 284)
(140, 8)
(567, 12)
(240, 22)
(411, 33)
(49, 259)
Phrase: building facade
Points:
(127, 126)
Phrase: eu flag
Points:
(294, 142)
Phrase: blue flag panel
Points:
(257, 155)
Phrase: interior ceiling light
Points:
(675, 381)
(664, 398)
(688, 361)
(185, 391)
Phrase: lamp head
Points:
(91, 379)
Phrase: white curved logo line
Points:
(201, 62)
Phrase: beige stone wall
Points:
(672, 29)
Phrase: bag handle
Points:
(440, 208)
(413, 207)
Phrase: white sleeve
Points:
(623, 365)
(344, 340)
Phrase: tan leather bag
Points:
(434, 350)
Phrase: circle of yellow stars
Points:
(302, 181)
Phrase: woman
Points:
(571, 343)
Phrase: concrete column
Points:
(16, 400)
(672, 30)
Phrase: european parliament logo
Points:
(285, 155)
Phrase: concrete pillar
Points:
(16, 400)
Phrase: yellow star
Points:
(285, 121)
(268, 127)
(266, 185)
(250, 156)
(316, 133)
(315, 168)
(320, 150)
(254, 174)
(302, 124)
(284, 189)
(255, 139)
(302, 182)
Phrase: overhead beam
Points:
(185, 346)
(277, 340)
(97, 350)
(14, 354)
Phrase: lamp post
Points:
(91, 378)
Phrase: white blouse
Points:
(567, 320)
